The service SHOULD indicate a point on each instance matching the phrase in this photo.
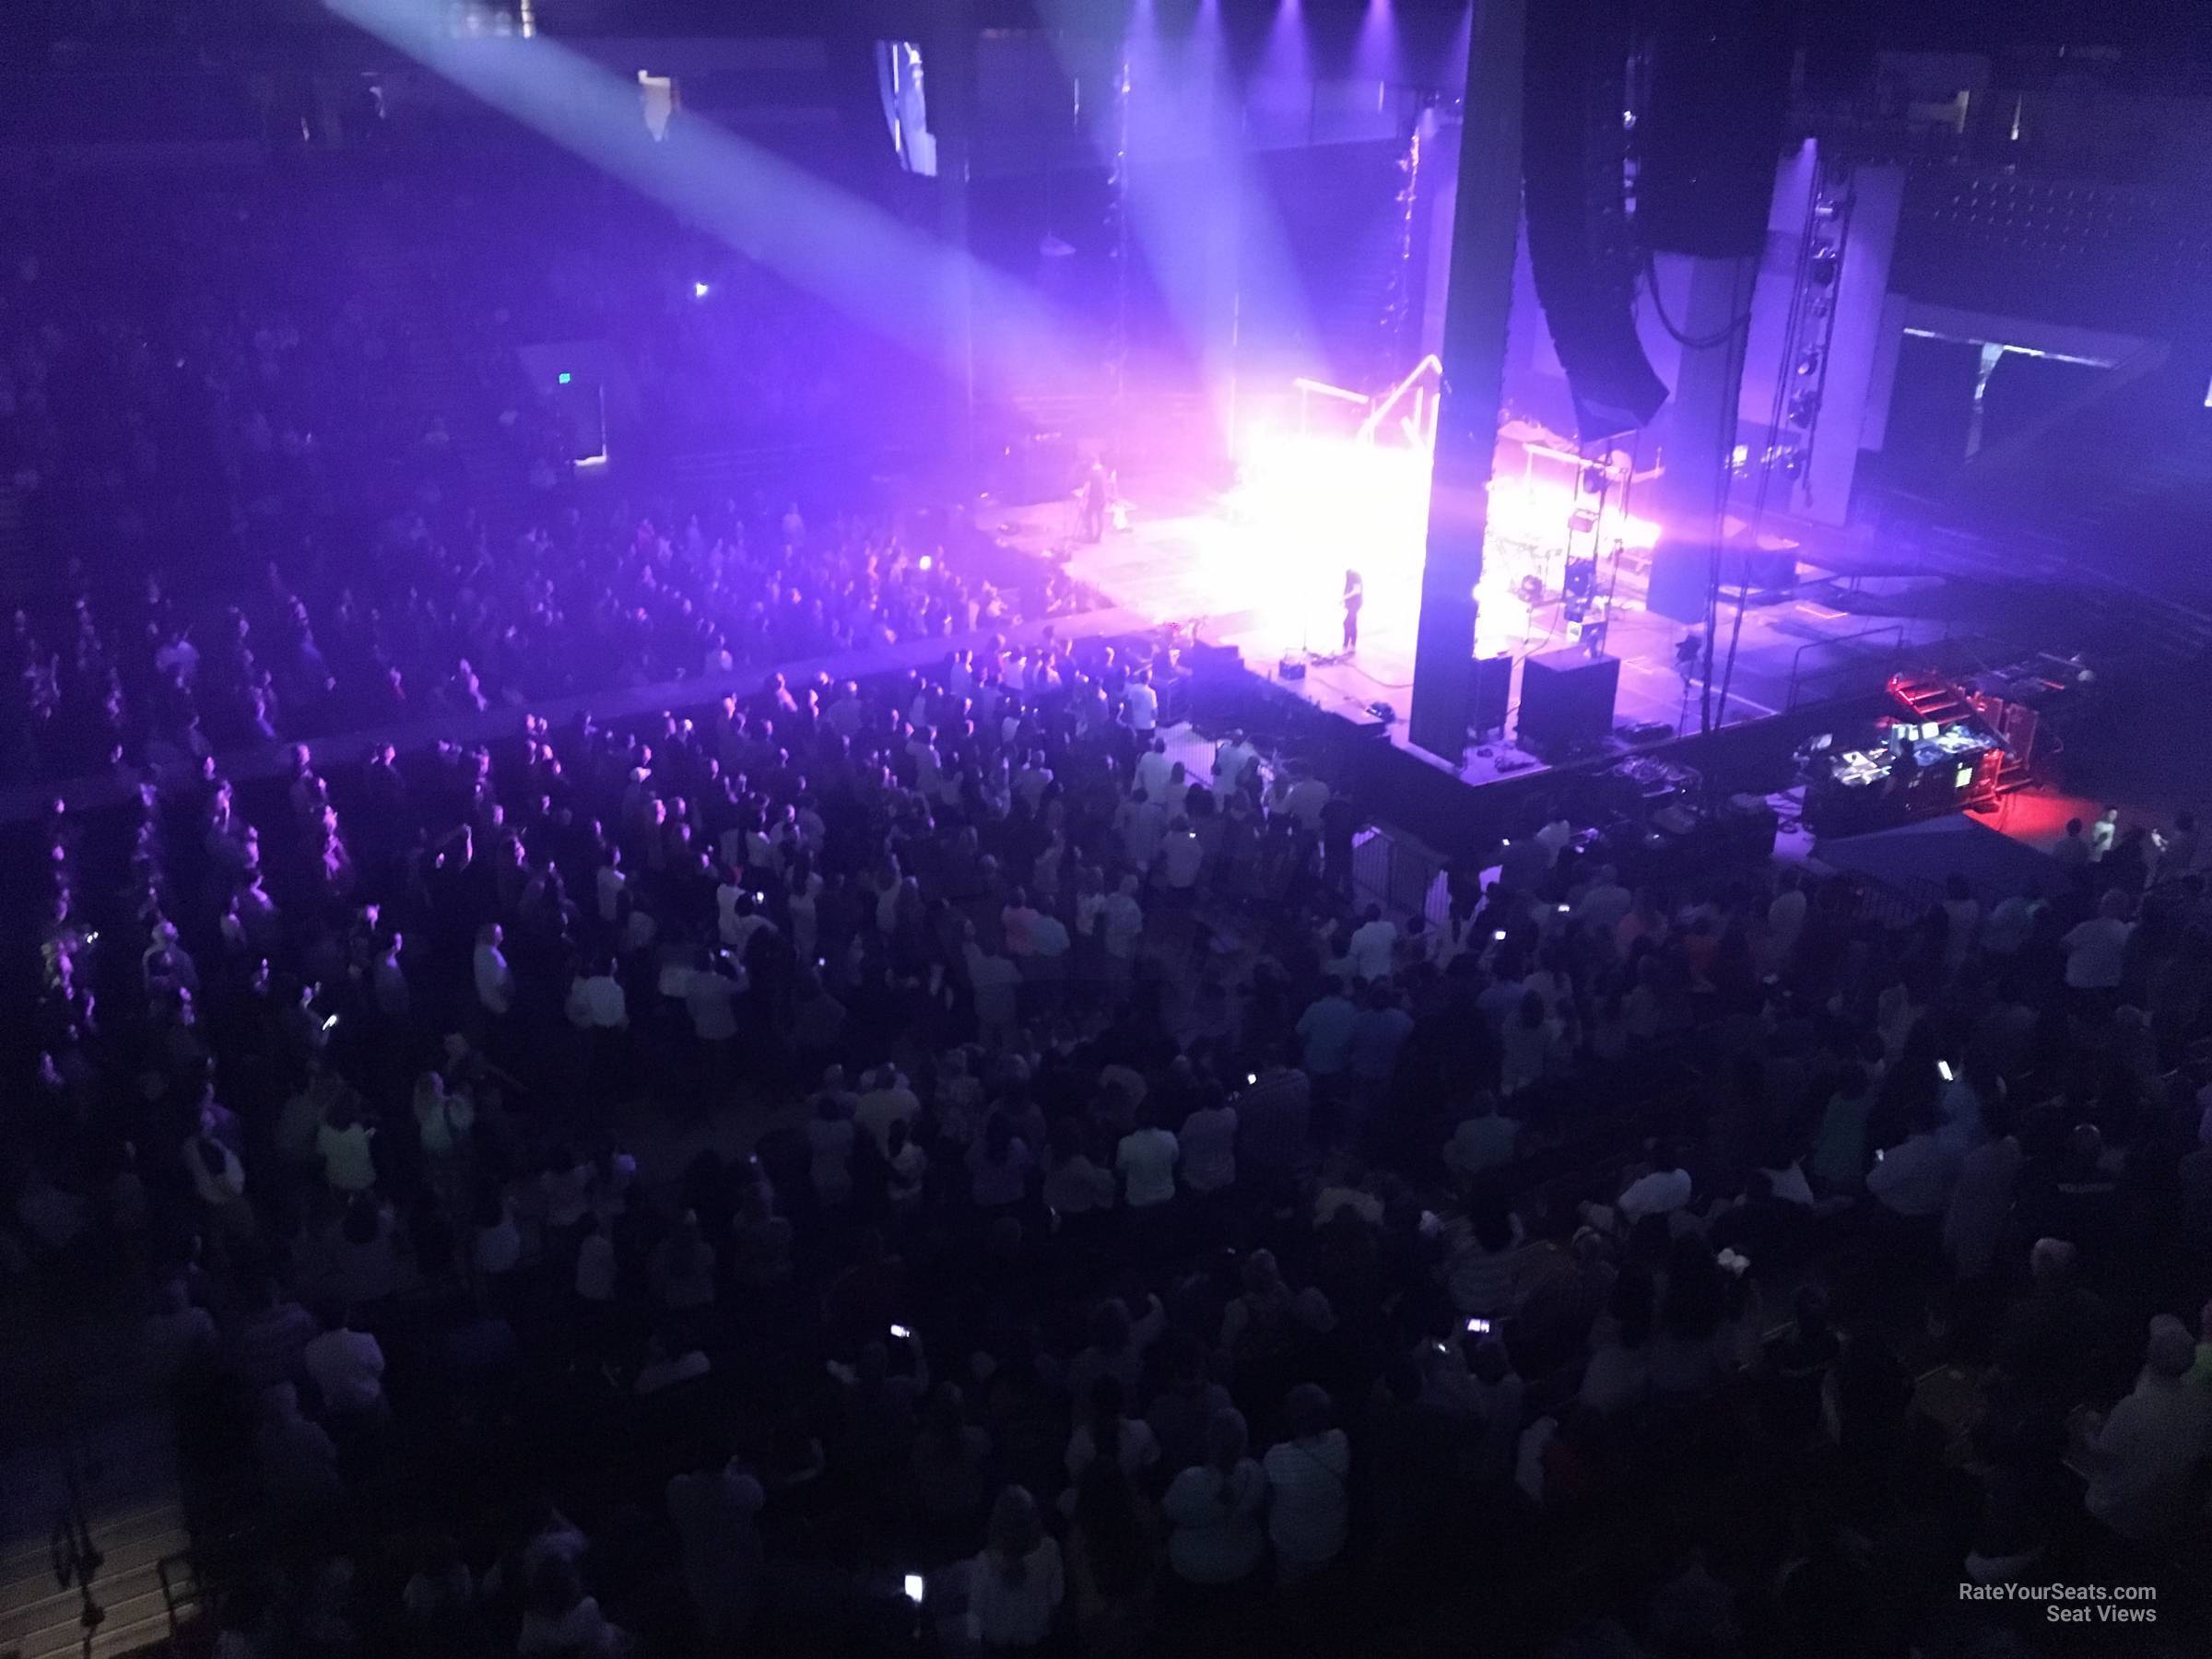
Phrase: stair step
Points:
(117, 1539)
(136, 1616)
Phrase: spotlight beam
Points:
(843, 250)
(1168, 232)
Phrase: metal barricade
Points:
(1400, 875)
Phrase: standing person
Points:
(1374, 944)
(1114, 1561)
(1207, 1143)
(2177, 852)
(1147, 1158)
(2072, 853)
(1095, 488)
(715, 1510)
(1324, 1032)
(1354, 595)
(1981, 1202)
(1017, 1584)
(1213, 1508)
(1339, 824)
(1309, 1472)
(2142, 1457)
(1140, 702)
(2096, 949)
(494, 979)
(2103, 833)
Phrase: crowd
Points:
(592, 598)
(1089, 1224)
(934, 1161)
(329, 369)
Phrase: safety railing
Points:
(76, 1561)
(1817, 684)
(1401, 876)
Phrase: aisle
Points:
(91, 1454)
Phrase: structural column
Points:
(1484, 225)
(1858, 342)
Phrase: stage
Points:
(1186, 556)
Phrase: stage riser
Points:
(1459, 818)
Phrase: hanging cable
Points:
(1650, 275)
(1743, 281)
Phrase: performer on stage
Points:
(1354, 595)
(1095, 493)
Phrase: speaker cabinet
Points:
(1681, 576)
(1493, 692)
(1567, 703)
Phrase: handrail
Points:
(76, 1559)
(1797, 659)
(1383, 406)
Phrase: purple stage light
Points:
(1374, 55)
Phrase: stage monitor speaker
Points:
(1493, 691)
(1758, 570)
(1566, 701)
(1680, 578)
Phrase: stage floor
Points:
(1190, 561)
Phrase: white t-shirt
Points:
(1181, 858)
(711, 999)
(1659, 1194)
(1153, 770)
(1371, 946)
(2096, 951)
(1143, 704)
(1146, 1160)
(1913, 1177)
(597, 1004)
(1789, 1185)
(347, 1162)
(610, 883)
(1304, 800)
(495, 982)
(1310, 1483)
(737, 931)
(1020, 1613)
